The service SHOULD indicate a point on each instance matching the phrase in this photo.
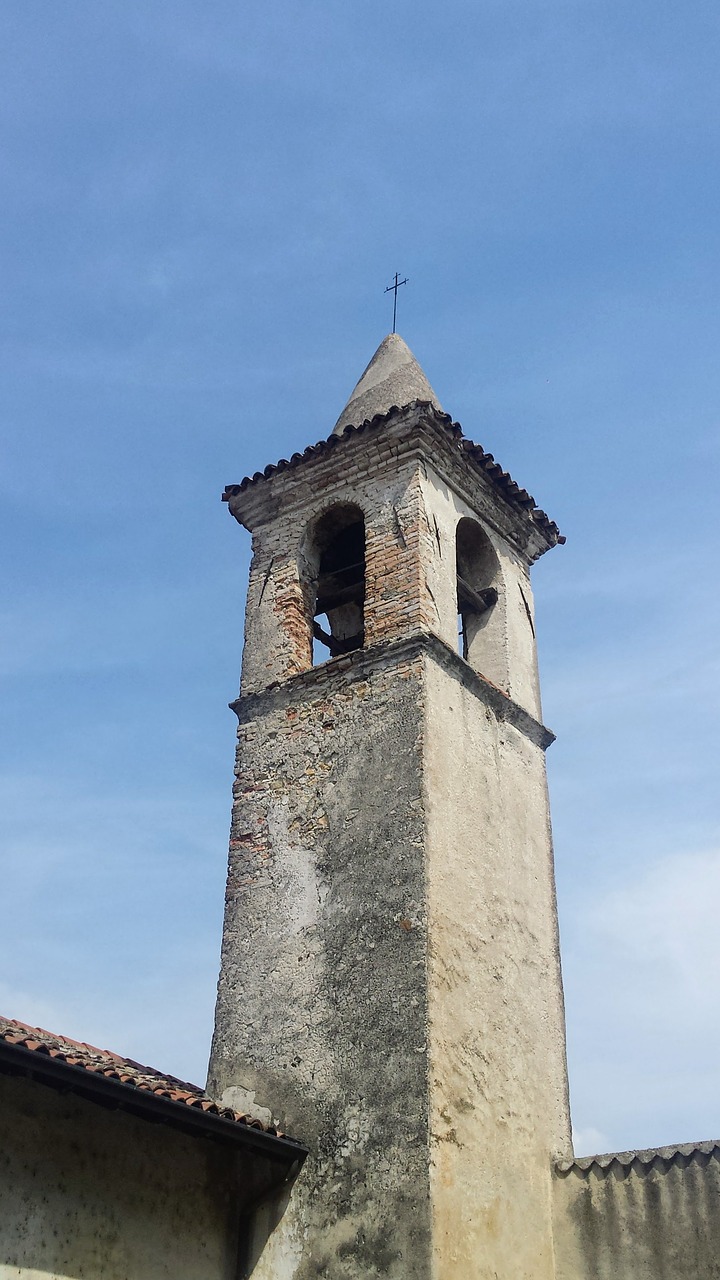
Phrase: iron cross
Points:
(393, 288)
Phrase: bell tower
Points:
(390, 987)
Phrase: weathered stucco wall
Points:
(88, 1193)
(379, 798)
(506, 653)
(498, 1088)
(321, 1006)
(498, 1081)
(654, 1217)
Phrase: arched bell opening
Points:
(478, 575)
(336, 590)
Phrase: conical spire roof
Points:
(393, 377)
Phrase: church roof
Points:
(474, 453)
(30, 1048)
(393, 377)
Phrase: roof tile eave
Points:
(484, 462)
(124, 1071)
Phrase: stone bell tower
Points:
(390, 987)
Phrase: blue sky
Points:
(202, 206)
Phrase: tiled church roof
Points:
(135, 1077)
(482, 461)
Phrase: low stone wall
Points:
(640, 1215)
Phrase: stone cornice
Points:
(361, 664)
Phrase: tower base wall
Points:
(389, 986)
(498, 1095)
(322, 1010)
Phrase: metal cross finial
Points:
(393, 288)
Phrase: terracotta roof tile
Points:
(483, 461)
(133, 1075)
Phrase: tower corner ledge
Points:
(361, 663)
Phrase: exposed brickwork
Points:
(394, 597)
(382, 474)
(280, 596)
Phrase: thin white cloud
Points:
(643, 982)
(664, 925)
(105, 941)
(589, 1142)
